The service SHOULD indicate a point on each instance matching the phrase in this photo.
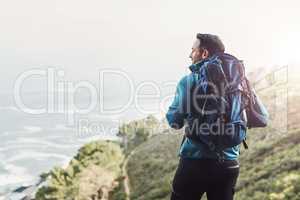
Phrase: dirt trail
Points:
(125, 174)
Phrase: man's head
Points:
(205, 46)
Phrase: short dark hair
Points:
(211, 42)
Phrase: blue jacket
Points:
(178, 113)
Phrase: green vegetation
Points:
(138, 131)
(269, 168)
(152, 167)
(264, 168)
(89, 175)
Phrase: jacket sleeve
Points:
(177, 112)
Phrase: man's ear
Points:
(205, 53)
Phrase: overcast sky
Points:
(150, 40)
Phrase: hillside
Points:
(270, 169)
(152, 167)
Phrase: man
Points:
(200, 169)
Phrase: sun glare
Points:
(289, 50)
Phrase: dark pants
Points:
(195, 177)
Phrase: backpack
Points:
(224, 104)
